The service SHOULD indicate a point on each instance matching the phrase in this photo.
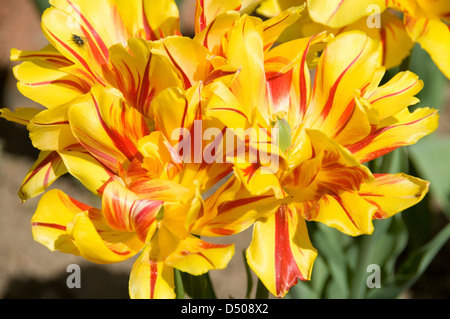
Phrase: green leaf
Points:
(248, 272)
(261, 291)
(329, 243)
(314, 288)
(367, 246)
(179, 289)
(413, 267)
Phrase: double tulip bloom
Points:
(140, 115)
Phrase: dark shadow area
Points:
(96, 283)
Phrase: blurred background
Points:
(29, 270)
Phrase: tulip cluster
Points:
(185, 138)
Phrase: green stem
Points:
(179, 287)
(261, 291)
(248, 272)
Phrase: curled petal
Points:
(405, 128)
(190, 68)
(62, 223)
(331, 169)
(434, 37)
(86, 168)
(395, 95)
(393, 193)
(273, 27)
(108, 127)
(207, 11)
(249, 86)
(21, 115)
(349, 60)
(50, 129)
(141, 74)
(160, 18)
(347, 212)
(125, 211)
(47, 168)
(193, 255)
(48, 85)
(232, 209)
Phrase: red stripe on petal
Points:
(153, 276)
(150, 34)
(395, 93)
(327, 108)
(202, 18)
(375, 133)
(239, 202)
(339, 200)
(103, 47)
(77, 57)
(187, 82)
(335, 11)
(49, 225)
(45, 162)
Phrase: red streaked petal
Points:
(42, 174)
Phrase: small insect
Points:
(77, 40)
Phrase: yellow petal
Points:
(347, 212)
(332, 168)
(21, 115)
(249, 86)
(280, 252)
(393, 193)
(191, 68)
(207, 11)
(404, 128)
(193, 255)
(434, 37)
(62, 223)
(395, 95)
(86, 168)
(340, 71)
(81, 44)
(232, 209)
(48, 84)
(125, 211)
(141, 74)
(211, 36)
(108, 127)
(438, 8)
(160, 18)
(338, 13)
(50, 129)
(273, 27)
